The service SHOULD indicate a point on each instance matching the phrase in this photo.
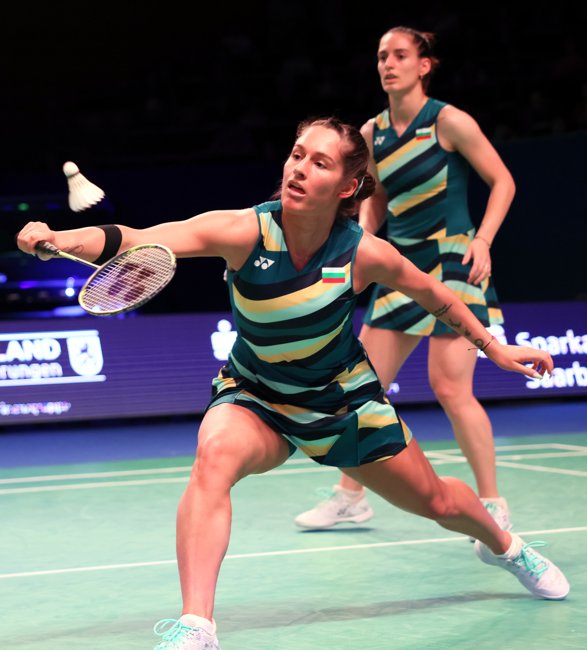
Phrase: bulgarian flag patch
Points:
(424, 134)
(333, 274)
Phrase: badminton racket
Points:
(124, 282)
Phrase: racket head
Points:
(128, 280)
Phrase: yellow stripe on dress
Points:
(419, 194)
(389, 302)
(297, 350)
(395, 299)
(439, 234)
(284, 307)
(273, 239)
(382, 120)
(222, 383)
(454, 244)
(296, 414)
(468, 293)
(406, 152)
(315, 448)
(495, 315)
(348, 381)
(374, 415)
(423, 327)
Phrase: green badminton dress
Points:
(427, 221)
(297, 362)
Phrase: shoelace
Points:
(528, 561)
(173, 632)
(325, 493)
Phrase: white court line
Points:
(436, 458)
(499, 457)
(114, 473)
(558, 445)
(297, 551)
(540, 468)
(444, 455)
(154, 481)
(500, 448)
(90, 486)
(548, 454)
(69, 477)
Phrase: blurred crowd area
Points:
(145, 84)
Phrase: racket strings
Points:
(129, 280)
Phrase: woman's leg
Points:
(232, 443)
(387, 351)
(451, 365)
(409, 482)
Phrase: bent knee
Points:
(217, 461)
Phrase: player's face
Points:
(313, 174)
(398, 63)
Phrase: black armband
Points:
(113, 239)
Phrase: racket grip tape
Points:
(47, 248)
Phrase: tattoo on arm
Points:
(455, 324)
(440, 312)
(478, 343)
(467, 332)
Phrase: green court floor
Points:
(87, 560)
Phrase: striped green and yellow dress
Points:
(427, 221)
(296, 361)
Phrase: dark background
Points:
(173, 113)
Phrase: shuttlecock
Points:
(83, 194)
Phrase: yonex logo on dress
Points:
(379, 139)
(263, 262)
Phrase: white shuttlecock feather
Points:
(83, 194)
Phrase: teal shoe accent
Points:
(173, 632)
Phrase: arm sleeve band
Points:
(113, 239)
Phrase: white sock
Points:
(191, 620)
(515, 547)
(353, 495)
(499, 501)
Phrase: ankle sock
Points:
(514, 549)
(352, 495)
(498, 501)
(191, 620)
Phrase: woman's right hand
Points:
(31, 235)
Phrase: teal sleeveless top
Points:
(295, 328)
(297, 362)
(426, 186)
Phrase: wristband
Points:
(112, 241)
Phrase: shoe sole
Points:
(358, 519)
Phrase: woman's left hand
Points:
(515, 358)
(478, 252)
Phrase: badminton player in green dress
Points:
(298, 377)
(422, 151)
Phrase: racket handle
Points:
(47, 248)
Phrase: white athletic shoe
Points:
(498, 509)
(188, 633)
(540, 576)
(339, 508)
